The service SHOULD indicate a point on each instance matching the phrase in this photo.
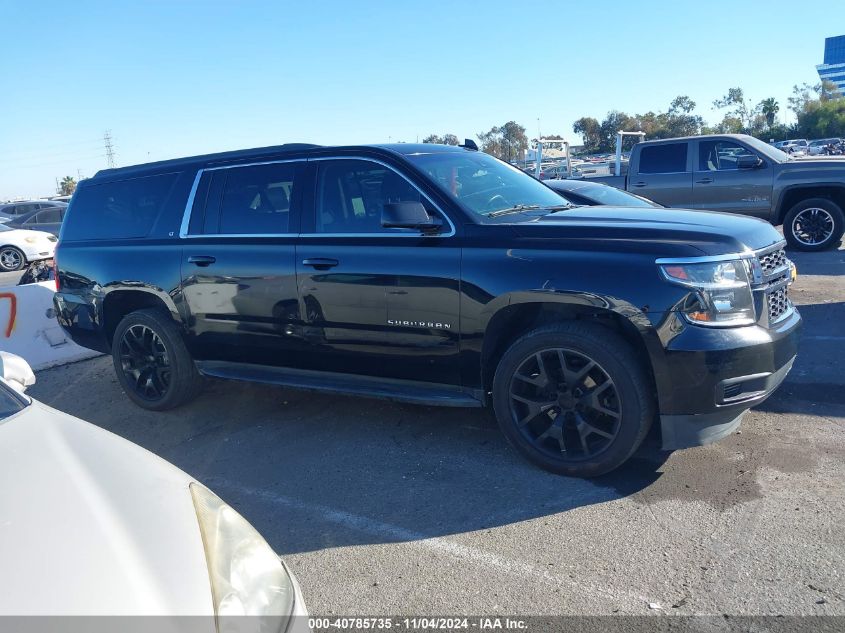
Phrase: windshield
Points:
(766, 150)
(3, 227)
(10, 402)
(482, 184)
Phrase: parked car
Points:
(13, 209)
(585, 192)
(429, 274)
(18, 247)
(740, 174)
(820, 146)
(48, 220)
(121, 531)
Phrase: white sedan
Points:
(91, 524)
(18, 247)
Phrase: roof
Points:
(273, 150)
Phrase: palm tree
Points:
(67, 185)
(769, 107)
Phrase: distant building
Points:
(833, 68)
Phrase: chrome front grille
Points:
(770, 283)
(778, 302)
(772, 262)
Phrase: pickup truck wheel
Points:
(813, 225)
(152, 363)
(573, 399)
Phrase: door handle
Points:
(201, 260)
(704, 181)
(639, 184)
(320, 263)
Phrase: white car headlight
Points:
(721, 292)
(30, 239)
(247, 577)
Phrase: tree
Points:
(681, 104)
(446, 139)
(588, 128)
(738, 110)
(67, 186)
(769, 108)
(507, 142)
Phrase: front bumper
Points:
(711, 377)
(38, 251)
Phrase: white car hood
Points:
(91, 524)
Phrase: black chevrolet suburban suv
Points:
(434, 275)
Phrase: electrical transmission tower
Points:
(109, 148)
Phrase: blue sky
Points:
(178, 78)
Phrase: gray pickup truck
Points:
(741, 174)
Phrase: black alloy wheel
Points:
(152, 362)
(144, 361)
(573, 398)
(565, 404)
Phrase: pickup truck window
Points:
(720, 155)
(666, 158)
(351, 195)
(482, 184)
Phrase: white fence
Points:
(28, 327)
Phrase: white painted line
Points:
(439, 545)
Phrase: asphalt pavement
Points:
(386, 508)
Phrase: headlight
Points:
(721, 292)
(29, 239)
(247, 577)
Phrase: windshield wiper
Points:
(519, 208)
(560, 207)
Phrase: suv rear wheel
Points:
(152, 363)
(813, 225)
(573, 399)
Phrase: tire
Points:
(11, 259)
(152, 362)
(617, 416)
(823, 227)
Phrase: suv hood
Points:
(663, 232)
(91, 524)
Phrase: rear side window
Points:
(249, 200)
(669, 158)
(118, 210)
(48, 216)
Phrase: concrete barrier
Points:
(28, 327)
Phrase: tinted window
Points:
(48, 216)
(664, 159)
(352, 193)
(720, 155)
(115, 210)
(24, 208)
(256, 200)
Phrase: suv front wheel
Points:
(573, 399)
(151, 361)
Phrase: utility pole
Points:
(109, 149)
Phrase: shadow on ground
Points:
(312, 471)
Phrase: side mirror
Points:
(748, 161)
(409, 215)
(16, 371)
